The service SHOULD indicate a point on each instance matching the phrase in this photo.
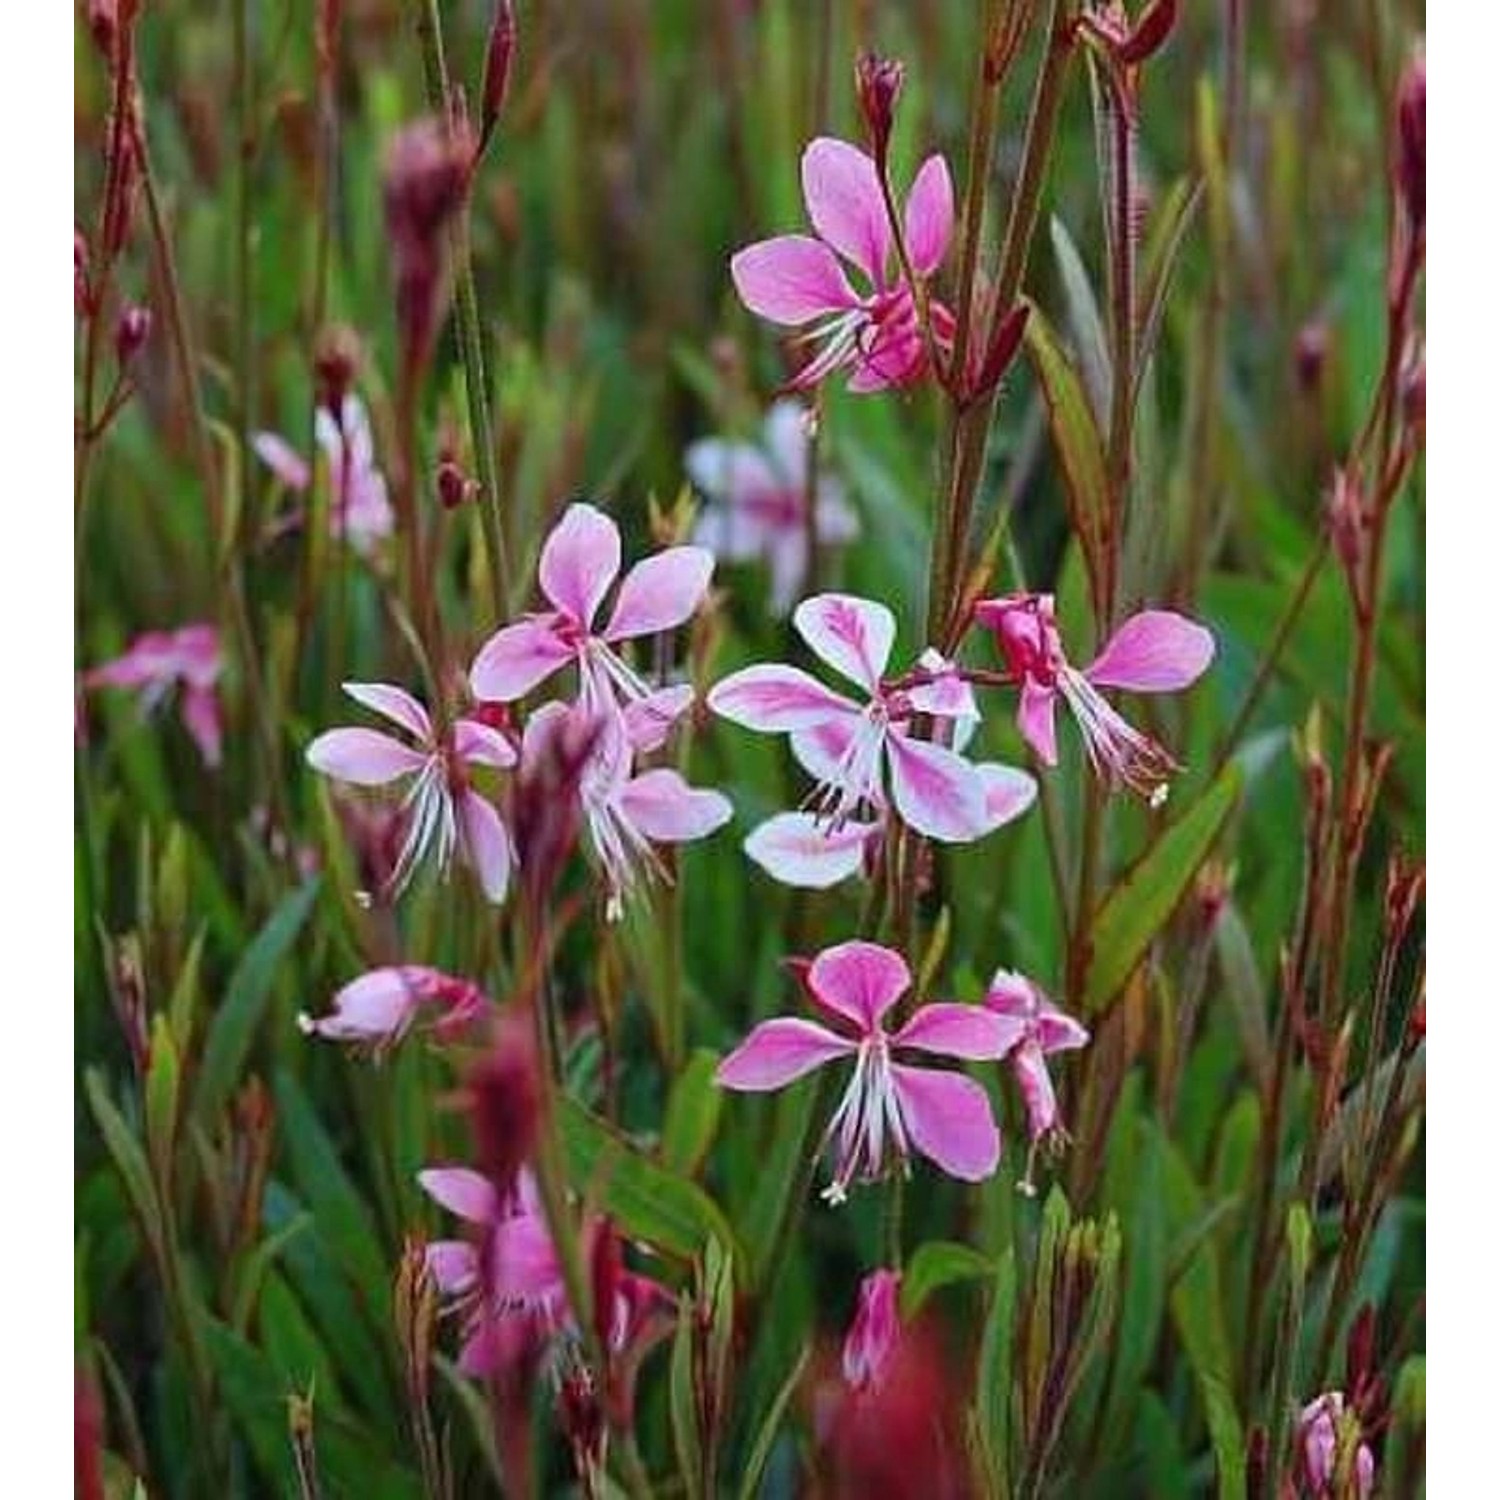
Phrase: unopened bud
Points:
(127, 986)
(1311, 355)
(504, 1097)
(454, 487)
(1414, 395)
(131, 332)
(1347, 523)
(336, 366)
(498, 57)
(877, 82)
(1150, 32)
(104, 26)
(1411, 141)
(1004, 345)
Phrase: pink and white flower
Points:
(1155, 651)
(361, 508)
(851, 747)
(1043, 1030)
(796, 280)
(158, 661)
(627, 813)
(580, 560)
(445, 813)
(889, 1108)
(875, 1334)
(1318, 1438)
(757, 497)
(382, 1005)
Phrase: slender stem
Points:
(470, 332)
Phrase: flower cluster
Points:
(626, 810)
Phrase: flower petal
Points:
(1036, 717)
(486, 844)
(363, 757)
(821, 750)
(395, 704)
(728, 471)
(1059, 1032)
(859, 981)
(786, 441)
(464, 1192)
(929, 216)
(1155, 651)
(845, 204)
(794, 848)
(515, 659)
(776, 1052)
(660, 592)
(525, 1266)
(669, 811)
(853, 635)
(482, 745)
(1011, 994)
(948, 1119)
(936, 791)
(649, 720)
(281, 459)
(1008, 792)
(579, 561)
(959, 1031)
(375, 1007)
(775, 699)
(791, 280)
(1029, 1067)
(200, 713)
(946, 694)
(453, 1266)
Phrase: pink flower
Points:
(159, 660)
(361, 509)
(1154, 651)
(758, 502)
(580, 560)
(626, 814)
(795, 280)
(1044, 1029)
(1319, 1430)
(875, 1333)
(380, 1007)
(445, 812)
(797, 849)
(848, 745)
(889, 1108)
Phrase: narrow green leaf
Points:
(1084, 321)
(993, 1387)
(692, 1118)
(245, 1000)
(1168, 234)
(765, 1437)
(257, 1263)
(683, 1400)
(936, 1264)
(1228, 1438)
(1141, 902)
(163, 1085)
(125, 1151)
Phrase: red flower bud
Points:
(1347, 522)
(504, 1095)
(877, 82)
(335, 366)
(1411, 141)
(454, 487)
(498, 58)
(1150, 32)
(1311, 354)
(131, 332)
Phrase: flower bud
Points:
(104, 26)
(335, 367)
(498, 58)
(1347, 522)
(1311, 355)
(1411, 141)
(131, 332)
(454, 487)
(504, 1097)
(1150, 33)
(875, 1333)
(877, 82)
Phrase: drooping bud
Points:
(132, 329)
(877, 83)
(498, 57)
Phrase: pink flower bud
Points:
(875, 1333)
(877, 82)
(498, 57)
(131, 332)
(504, 1096)
(1347, 523)
(1411, 141)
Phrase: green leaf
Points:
(936, 1264)
(692, 1118)
(130, 1161)
(1084, 320)
(1080, 448)
(648, 1202)
(163, 1085)
(245, 1000)
(765, 1437)
(994, 1380)
(257, 1263)
(1141, 902)
(1228, 1438)
(684, 1402)
(1169, 229)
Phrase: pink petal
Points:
(363, 757)
(281, 459)
(667, 810)
(929, 216)
(936, 791)
(525, 1264)
(453, 1266)
(948, 1119)
(1035, 1083)
(375, 1007)
(853, 635)
(786, 441)
(1008, 792)
(461, 1191)
(821, 750)
(200, 713)
(775, 699)
(838, 522)
(791, 280)
(396, 704)
(579, 561)
(196, 655)
(649, 720)
(859, 981)
(660, 593)
(515, 659)
(845, 204)
(1155, 651)
(1036, 717)
(778, 1051)
(894, 357)
(486, 844)
(959, 1031)
(1058, 1032)
(1011, 994)
(795, 849)
(728, 471)
(947, 694)
(497, 1343)
(149, 658)
(482, 745)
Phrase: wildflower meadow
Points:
(749, 749)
